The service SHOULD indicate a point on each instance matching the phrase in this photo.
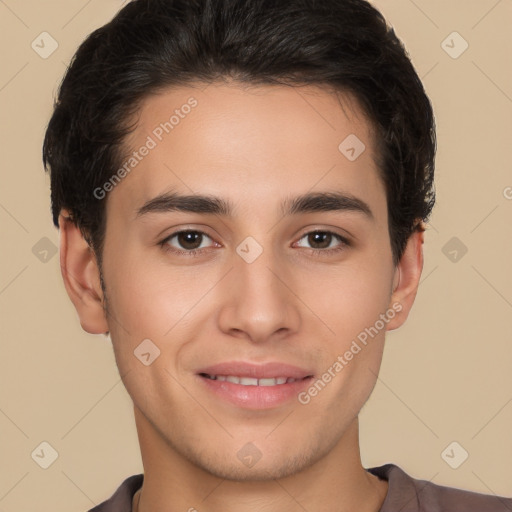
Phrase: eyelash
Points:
(197, 252)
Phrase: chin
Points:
(249, 464)
(260, 472)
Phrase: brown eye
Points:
(189, 239)
(320, 239)
(186, 241)
(324, 242)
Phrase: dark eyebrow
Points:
(307, 203)
(325, 202)
(169, 202)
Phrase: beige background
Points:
(446, 375)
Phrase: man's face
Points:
(261, 288)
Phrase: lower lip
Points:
(256, 397)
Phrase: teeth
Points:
(250, 381)
(267, 382)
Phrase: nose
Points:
(259, 302)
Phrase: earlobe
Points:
(406, 279)
(81, 276)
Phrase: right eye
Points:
(188, 242)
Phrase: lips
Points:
(254, 386)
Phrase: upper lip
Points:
(269, 370)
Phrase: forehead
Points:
(250, 142)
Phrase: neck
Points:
(336, 482)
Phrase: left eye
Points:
(323, 240)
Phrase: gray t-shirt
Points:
(405, 494)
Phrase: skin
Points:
(255, 147)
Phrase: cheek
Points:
(151, 299)
(352, 307)
(149, 314)
(166, 304)
(351, 299)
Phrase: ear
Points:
(81, 276)
(407, 278)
